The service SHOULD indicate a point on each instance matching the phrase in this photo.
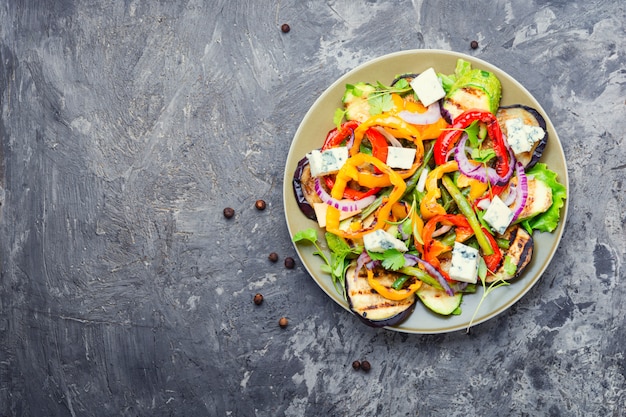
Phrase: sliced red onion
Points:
(350, 140)
(390, 138)
(484, 204)
(442, 230)
(479, 172)
(509, 197)
(421, 181)
(347, 206)
(522, 190)
(432, 271)
(363, 259)
(429, 117)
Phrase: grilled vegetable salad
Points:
(427, 188)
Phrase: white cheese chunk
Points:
(328, 161)
(380, 241)
(401, 158)
(428, 87)
(322, 208)
(464, 265)
(498, 215)
(521, 137)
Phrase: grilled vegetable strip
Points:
(466, 209)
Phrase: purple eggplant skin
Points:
(409, 77)
(301, 188)
(371, 308)
(530, 116)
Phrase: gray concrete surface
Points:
(128, 126)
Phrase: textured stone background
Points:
(128, 126)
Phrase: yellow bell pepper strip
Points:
(431, 131)
(394, 125)
(374, 180)
(477, 188)
(349, 172)
(390, 293)
(429, 207)
(466, 209)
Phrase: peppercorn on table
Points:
(147, 265)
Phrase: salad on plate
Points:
(426, 190)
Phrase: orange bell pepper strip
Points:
(390, 293)
(349, 172)
(476, 188)
(429, 207)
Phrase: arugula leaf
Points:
(340, 252)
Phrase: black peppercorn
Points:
(283, 322)
(365, 365)
(289, 262)
(356, 365)
(474, 44)
(260, 205)
(273, 257)
(258, 299)
(285, 28)
(229, 212)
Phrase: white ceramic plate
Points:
(319, 120)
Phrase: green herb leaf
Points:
(338, 117)
(380, 103)
(472, 134)
(309, 234)
(483, 155)
(392, 259)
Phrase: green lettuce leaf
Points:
(548, 220)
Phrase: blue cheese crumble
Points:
(464, 265)
(498, 215)
(379, 241)
(522, 137)
(328, 161)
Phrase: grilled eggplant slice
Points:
(529, 117)
(304, 189)
(520, 253)
(372, 308)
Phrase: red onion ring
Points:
(522, 190)
(429, 117)
(479, 172)
(346, 206)
(390, 138)
(412, 260)
(442, 230)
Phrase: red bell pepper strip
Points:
(492, 261)
(380, 149)
(432, 247)
(336, 136)
(448, 138)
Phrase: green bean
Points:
(466, 209)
